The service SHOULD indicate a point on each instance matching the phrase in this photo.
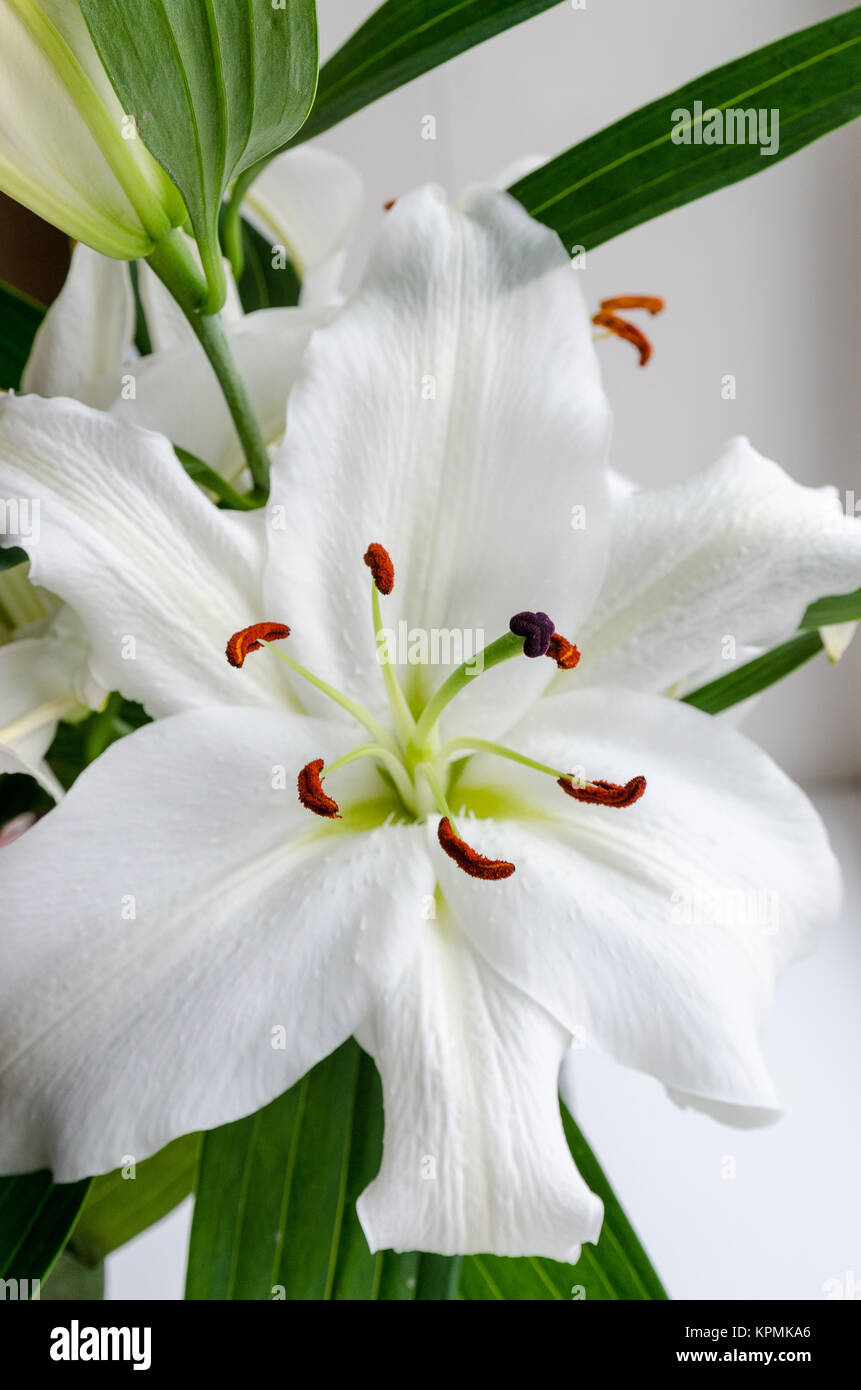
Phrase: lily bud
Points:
(67, 149)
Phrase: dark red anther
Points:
(621, 328)
(652, 302)
(311, 792)
(468, 859)
(379, 562)
(251, 639)
(605, 793)
(563, 652)
(606, 317)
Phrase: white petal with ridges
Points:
(177, 910)
(737, 551)
(86, 334)
(177, 394)
(158, 576)
(474, 1156)
(453, 413)
(657, 929)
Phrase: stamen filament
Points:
(394, 765)
(363, 716)
(503, 649)
(483, 745)
(404, 721)
(439, 795)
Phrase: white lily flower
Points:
(75, 158)
(189, 904)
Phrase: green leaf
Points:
(275, 1214)
(616, 1268)
(19, 319)
(839, 608)
(214, 85)
(117, 1209)
(72, 1281)
(632, 170)
(400, 41)
(35, 1218)
(755, 675)
(11, 557)
(261, 285)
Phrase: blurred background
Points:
(761, 280)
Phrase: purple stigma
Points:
(536, 629)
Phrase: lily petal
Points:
(308, 201)
(86, 334)
(176, 392)
(452, 412)
(749, 550)
(37, 687)
(656, 930)
(193, 947)
(474, 1155)
(158, 576)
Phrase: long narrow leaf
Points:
(616, 1268)
(839, 608)
(633, 170)
(275, 1215)
(400, 41)
(35, 1219)
(120, 1205)
(756, 675)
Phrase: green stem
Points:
(439, 795)
(503, 649)
(208, 478)
(216, 345)
(173, 263)
(231, 231)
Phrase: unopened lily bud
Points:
(68, 150)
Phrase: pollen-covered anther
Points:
(251, 639)
(651, 302)
(379, 562)
(468, 859)
(563, 652)
(621, 328)
(311, 792)
(604, 793)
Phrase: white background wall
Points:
(761, 280)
